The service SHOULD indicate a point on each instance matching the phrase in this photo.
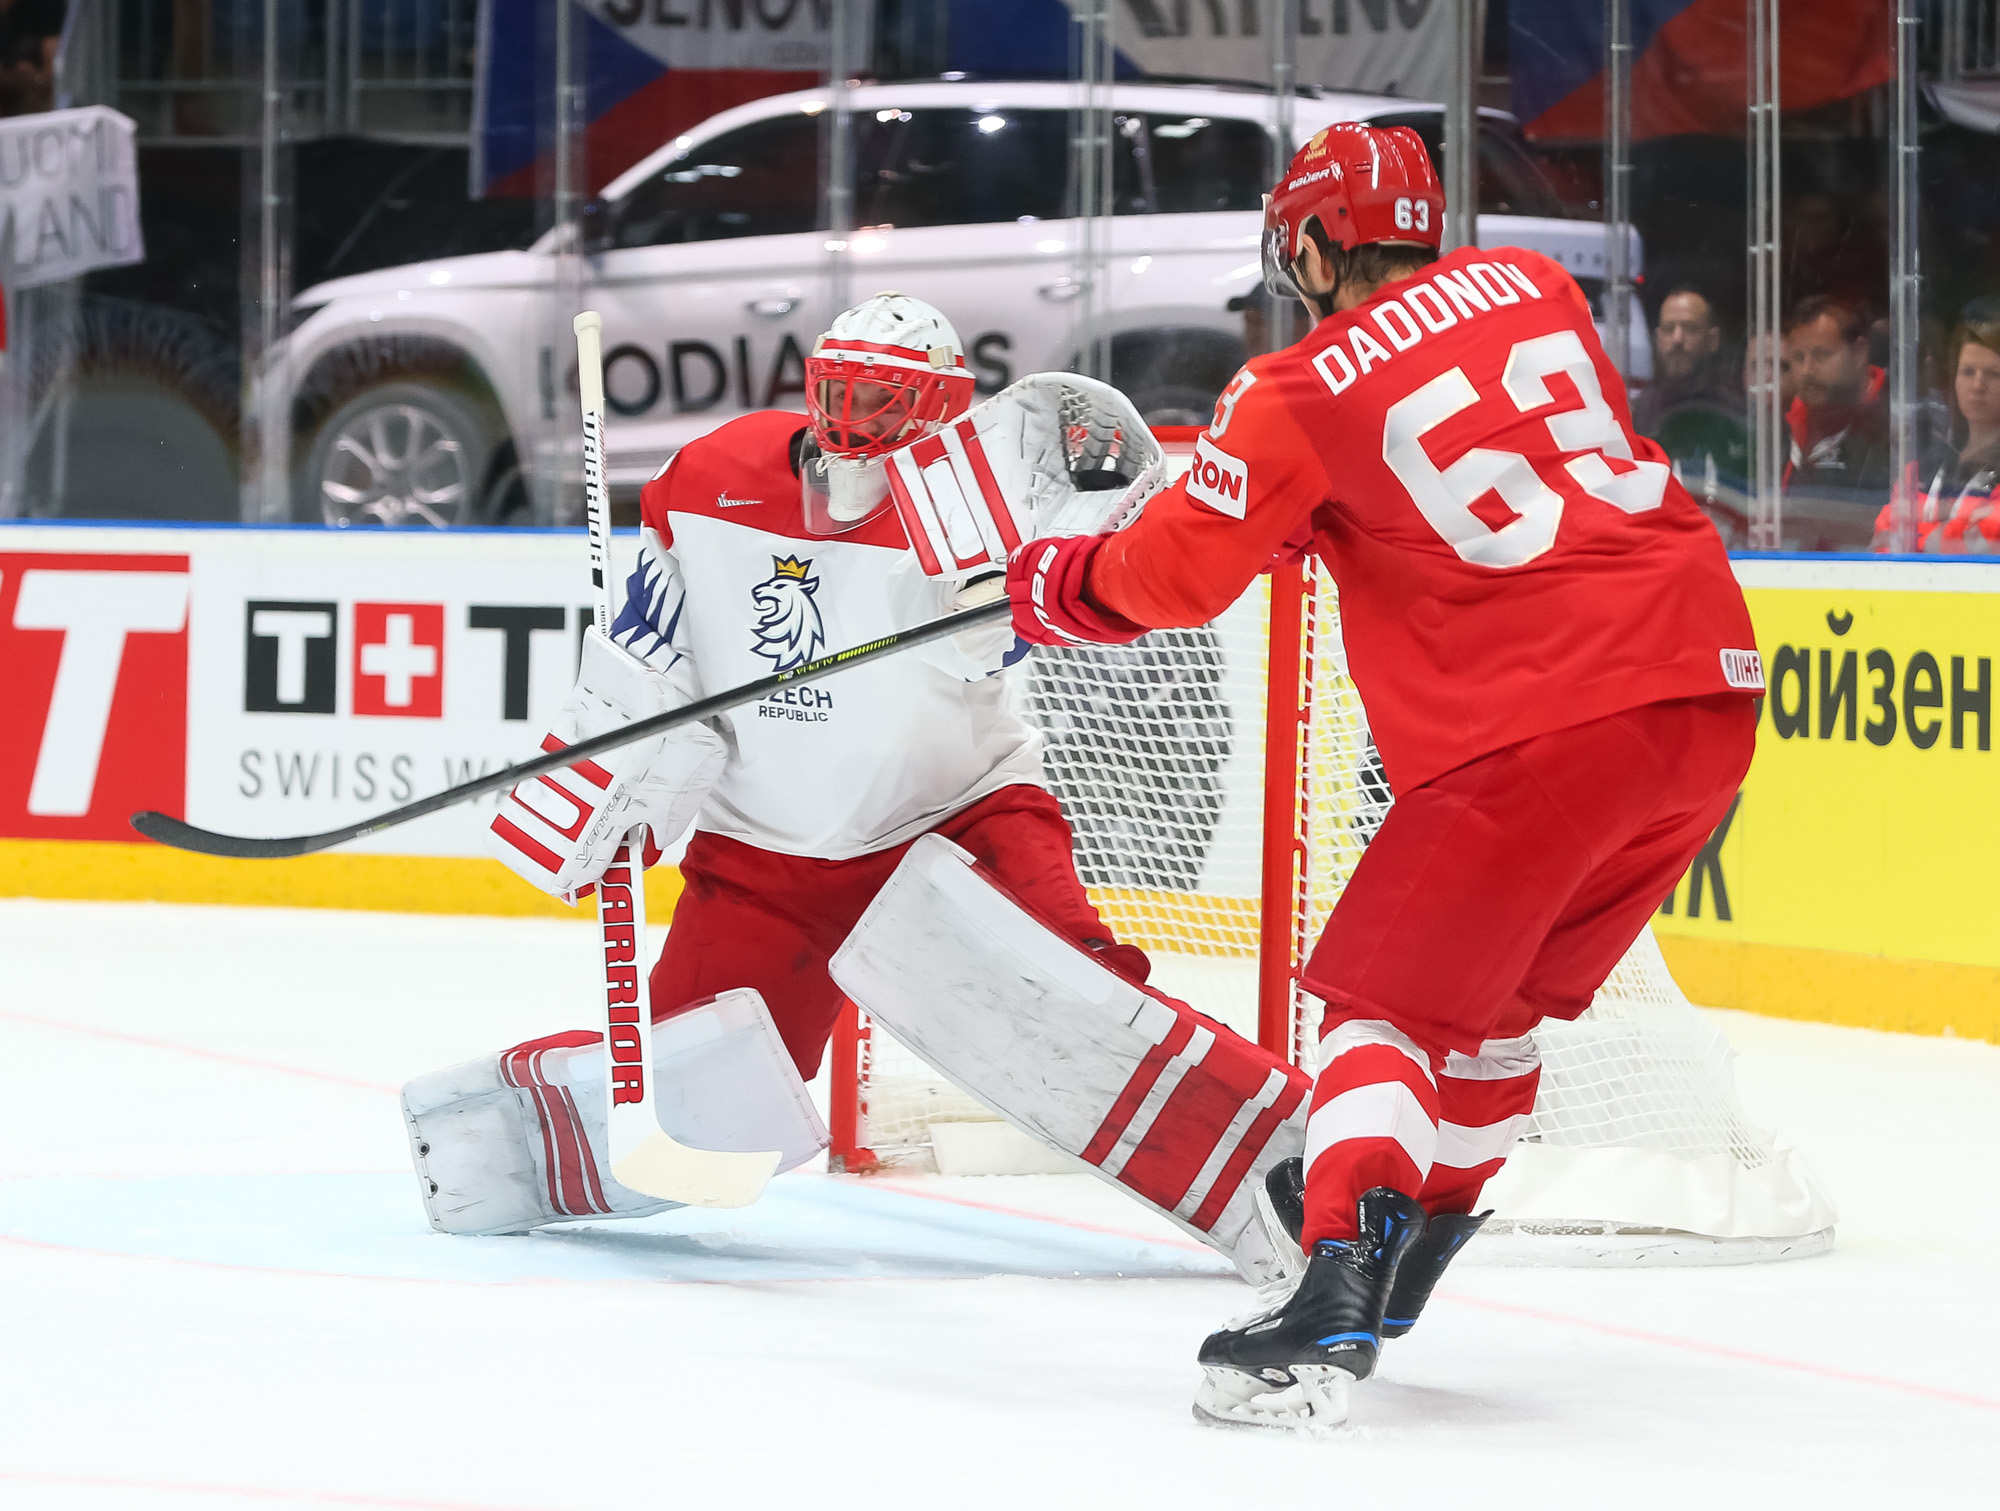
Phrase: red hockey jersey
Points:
(1511, 557)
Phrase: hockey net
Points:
(1212, 856)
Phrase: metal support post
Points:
(1461, 128)
(1093, 135)
(559, 496)
(842, 66)
(1768, 438)
(1287, 319)
(1905, 283)
(267, 266)
(1618, 184)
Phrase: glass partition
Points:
(362, 227)
(1798, 255)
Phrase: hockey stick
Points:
(184, 836)
(644, 1156)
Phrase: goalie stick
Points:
(168, 830)
(644, 1156)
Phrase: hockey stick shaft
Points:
(171, 831)
(589, 328)
(644, 1156)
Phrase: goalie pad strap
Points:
(518, 1139)
(575, 1188)
(1178, 1110)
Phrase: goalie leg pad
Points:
(517, 1140)
(1178, 1110)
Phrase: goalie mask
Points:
(889, 371)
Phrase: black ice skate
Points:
(1417, 1275)
(1292, 1366)
(1422, 1263)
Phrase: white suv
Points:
(422, 392)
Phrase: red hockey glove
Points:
(1045, 580)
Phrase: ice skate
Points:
(1282, 1206)
(1425, 1261)
(1292, 1366)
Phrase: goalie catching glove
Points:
(1051, 455)
(561, 830)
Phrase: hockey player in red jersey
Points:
(1557, 668)
(765, 545)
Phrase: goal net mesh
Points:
(1156, 752)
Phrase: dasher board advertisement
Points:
(271, 682)
(1867, 824)
(280, 681)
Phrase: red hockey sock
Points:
(1483, 1104)
(1374, 1122)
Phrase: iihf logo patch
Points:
(789, 630)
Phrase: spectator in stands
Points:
(1959, 508)
(1687, 360)
(1837, 477)
(1694, 406)
(1787, 389)
(30, 33)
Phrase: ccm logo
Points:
(1218, 480)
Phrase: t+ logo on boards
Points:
(396, 667)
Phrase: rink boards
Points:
(276, 681)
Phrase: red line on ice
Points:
(1722, 1351)
(203, 1054)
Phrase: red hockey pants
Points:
(1501, 893)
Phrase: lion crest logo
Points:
(789, 629)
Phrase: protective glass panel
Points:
(758, 180)
(960, 167)
(1204, 163)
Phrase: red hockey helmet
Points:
(1362, 184)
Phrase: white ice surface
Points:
(216, 1287)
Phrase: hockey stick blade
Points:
(185, 836)
(695, 1177)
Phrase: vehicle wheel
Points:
(1174, 404)
(399, 454)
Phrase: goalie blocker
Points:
(1050, 454)
(1172, 1106)
(518, 1139)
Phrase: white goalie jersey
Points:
(729, 588)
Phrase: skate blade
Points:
(1312, 1404)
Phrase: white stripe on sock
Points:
(1460, 1147)
(1362, 1033)
(1385, 1109)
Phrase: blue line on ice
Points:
(806, 1227)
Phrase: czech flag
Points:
(1690, 63)
(644, 84)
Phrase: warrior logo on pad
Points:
(789, 630)
(1218, 480)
